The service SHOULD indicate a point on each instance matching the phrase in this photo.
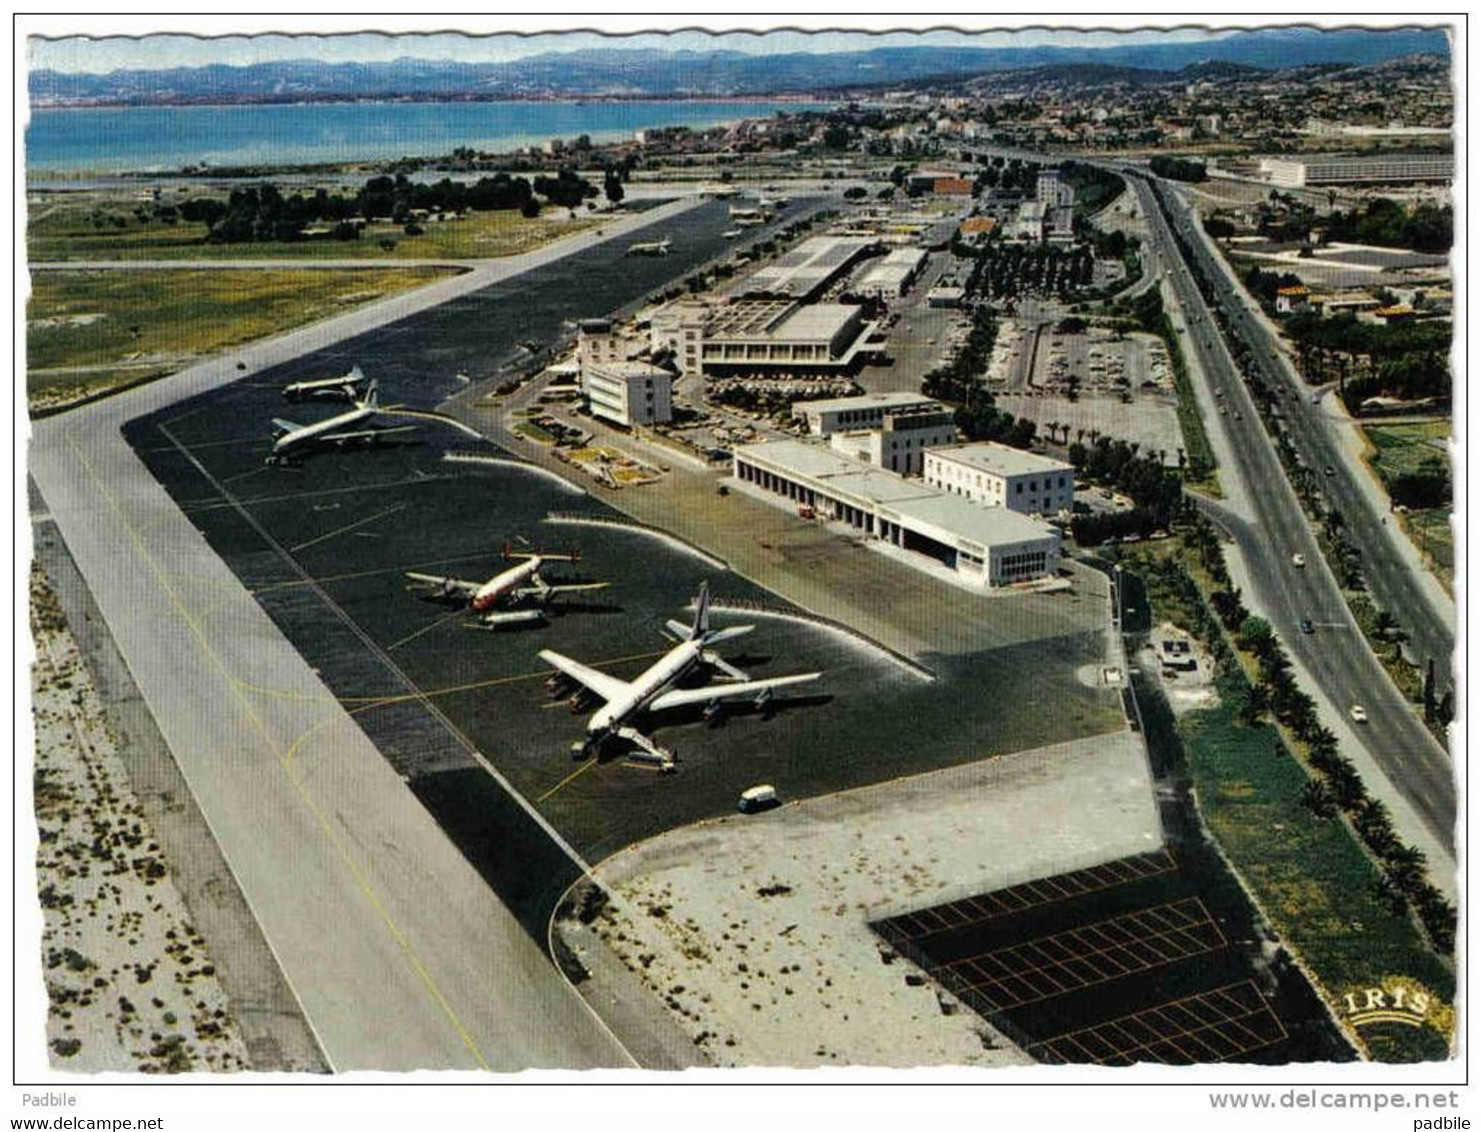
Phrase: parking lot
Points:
(1134, 960)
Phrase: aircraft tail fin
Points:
(511, 555)
(355, 376)
(373, 396)
(701, 613)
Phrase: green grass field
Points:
(89, 228)
(1311, 877)
(91, 332)
(1403, 448)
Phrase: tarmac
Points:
(755, 930)
(397, 952)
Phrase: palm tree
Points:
(1405, 866)
(1390, 896)
(1318, 799)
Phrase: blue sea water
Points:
(160, 138)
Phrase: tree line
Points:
(1179, 168)
(256, 213)
(1336, 786)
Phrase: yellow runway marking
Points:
(270, 586)
(580, 770)
(427, 628)
(432, 693)
(389, 511)
(333, 838)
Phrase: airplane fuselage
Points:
(329, 386)
(309, 432)
(657, 679)
(488, 595)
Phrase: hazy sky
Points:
(158, 51)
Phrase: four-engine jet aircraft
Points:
(346, 388)
(654, 247)
(521, 584)
(655, 690)
(294, 439)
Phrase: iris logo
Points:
(1395, 1003)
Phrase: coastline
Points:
(365, 134)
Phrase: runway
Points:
(397, 951)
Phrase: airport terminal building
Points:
(849, 414)
(986, 546)
(899, 444)
(1000, 476)
(807, 270)
(629, 393)
(764, 338)
(892, 276)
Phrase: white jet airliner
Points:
(340, 430)
(520, 584)
(655, 691)
(346, 388)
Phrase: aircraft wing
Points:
(574, 588)
(682, 697)
(607, 687)
(285, 426)
(468, 588)
(362, 433)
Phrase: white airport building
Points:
(763, 337)
(892, 276)
(1298, 172)
(1000, 476)
(807, 270)
(851, 414)
(899, 444)
(985, 546)
(625, 392)
(629, 393)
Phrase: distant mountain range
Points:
(616, 72)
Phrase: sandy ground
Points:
(1185, 691)
(753, 930)
(131, 983)
(1150, 420)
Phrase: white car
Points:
(1298, 561)
(1359, 713)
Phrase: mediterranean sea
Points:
(163, 138)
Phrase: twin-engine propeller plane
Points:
(656, 689)
(520, 585)
(353, 427)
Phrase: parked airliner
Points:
(346, 388)
(521, 584)
(655, 690)
(293, 439)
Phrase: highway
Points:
(1271, 530)
(1398, 584)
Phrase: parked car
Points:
(1358, 713)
